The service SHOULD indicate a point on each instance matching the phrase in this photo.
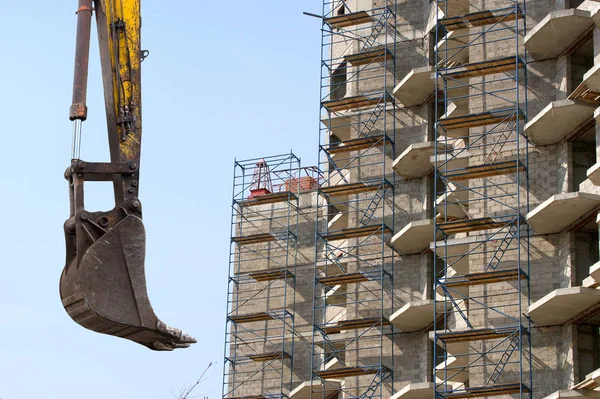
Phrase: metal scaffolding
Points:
(259, 343)
(353, 260)
(483, 345)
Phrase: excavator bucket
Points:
(103, 285)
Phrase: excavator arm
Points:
(103, 284)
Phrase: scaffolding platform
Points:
(493, 390)
(345, 372)
(254, 397)
(484, 170)
(470, 225)
(347, 20)
(268, 199)
(415, 315)
(591, 381)
(414, 238)
(318, 389)
(352, 188)
(559, 120)
(561, 211)
(417, 87)
(356, 102)
(251, 318)
(562, 305)
(267, 357)
(559, 33)
(482, 68)
(270, 275)
(478, 19)
(254, 239)
(343, 279)
(415, 161)
(492, 277)
(355, 232)
(354, 324)
(368, 57)
(419, 390)
(482, 334)
(479, 119)
(362, 143)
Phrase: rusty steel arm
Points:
(82, 57)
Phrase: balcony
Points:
(414, 238)
(559, 32)
(416, 315)
(562, 305)
(558, 120)
(561, 211)
(415, 161)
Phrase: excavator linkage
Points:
(103, 284)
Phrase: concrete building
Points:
(446, 245)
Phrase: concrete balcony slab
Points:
(560, 211)
(453, 203)
(415, 316)
(414, 238)
(419, 390)
(591, 79)
(573, 394)
(592, 381)
(416, 87)
(309, 389)
(414, 162)
(558, 31)
(563, 304)
(593, 174)
(557, 120)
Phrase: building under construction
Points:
(446, 245)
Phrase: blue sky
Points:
(223, 80)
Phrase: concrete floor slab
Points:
(454, 373)
(592, 381)
(451, 46)
(415, 316)
(416, 87)
(591, 79)
(563, 304)
(593, 174)
(414, 162)
(573, 394)
(448, 162)
(414, 238)
(595, 271)
(338, 125)
(556, 32)
(324, 388)
(560, 211)
(420, 390)
(557, 120)
(453, 202)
